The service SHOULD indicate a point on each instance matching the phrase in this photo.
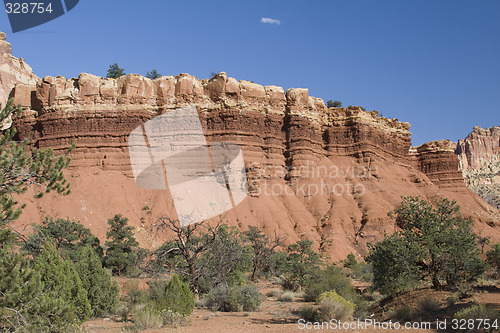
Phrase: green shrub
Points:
(493, 256)
(222, 299)
(301, 265)
(174, 296)
(173, 319)
(309, 313)
(102, 291)
(452, 300)
(274, 293)
(428, 305)
(334, 306)
(135, 295)
(405, 313)
(148, 317)
(395, 265)
(330, 279)
(362, 271)
(287, 296)
(123, 310)
(479, 311)
(350, 261)
(238, 298)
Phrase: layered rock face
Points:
(312, 171)
(479, 158)
(12, 70)
(438, 161)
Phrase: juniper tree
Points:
(24, 306)
(174, 296)
(102, 291)
(68, 237)
(434, 243)
(23, 166)
(61, 281)
(122, 252)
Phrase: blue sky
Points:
(435, 64)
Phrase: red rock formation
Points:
(438, 161)
(311, 170)
(479, 157)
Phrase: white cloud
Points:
(270, 20)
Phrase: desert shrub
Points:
(174, 296)
(405, 313)
(309, 313)
(452, 300)
(350, 261)
(287, 296)
(123, 310)
(333, 104)
(297, 266)
(274, 293)
(249, 297)
(332, 278)
(334, 306)
(135, 295)
(225, 261)
(222, 299)
(102, 291)
(238, 298)
(479, 311)
(262, 250)
(464, 290)
(173, 319)
(147, 317)
(493, 256)
(428, 305)
(362, 271)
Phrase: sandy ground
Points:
(274, 316)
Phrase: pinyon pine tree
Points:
(123, 252)
(23, 167)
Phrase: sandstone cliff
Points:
(312, 171)
(12, 70)
(479, 159)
